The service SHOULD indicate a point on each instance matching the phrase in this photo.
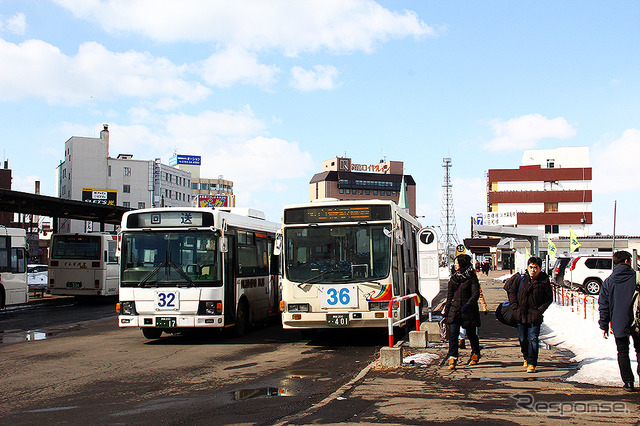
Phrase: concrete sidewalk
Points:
(497, 390)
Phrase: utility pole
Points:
(447, 216)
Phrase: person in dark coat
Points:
(614, 303)
(529, 295)
(461, 308)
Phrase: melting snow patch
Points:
(420, 360)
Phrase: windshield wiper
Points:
(322, 274)
(170, 264)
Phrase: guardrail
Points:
(416, 314)
(580, 303)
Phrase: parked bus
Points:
(83, 265)
(13, 267)
(343, 261)
(185, 268)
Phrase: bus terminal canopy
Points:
(42, 205)
(531, 235)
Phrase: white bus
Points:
(83, 264)
(13, 267)
(343, 261)
(184, 268)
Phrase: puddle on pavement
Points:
(11, 337)
(243, 394)
(301, 374)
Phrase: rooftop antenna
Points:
(449, 234)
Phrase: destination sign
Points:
(170, 219)
(337, 214)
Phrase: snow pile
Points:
(420, 360)
(597, 358)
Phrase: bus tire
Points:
(242, 318)
(151, 332)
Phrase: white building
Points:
(89, 174)
(205, 192)
(550, 192)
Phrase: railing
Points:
(416, 314)
(580, 303)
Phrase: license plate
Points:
(166, 322)
(338, 320)
(74, 284)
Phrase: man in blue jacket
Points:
(615, 308)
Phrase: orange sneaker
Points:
(452, 363)
(524, 364)
(531, 369)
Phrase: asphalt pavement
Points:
(497, 390)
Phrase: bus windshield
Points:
(86, 247)
(337, 253)
(162, 259)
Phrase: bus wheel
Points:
(242, 318)
(151, 332)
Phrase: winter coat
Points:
(530, 299)
(615, 300)
(463, 289)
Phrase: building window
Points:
(551, 229)
(394, 193)
(126, 189)
(550, 207)
(388, 193)
(551, 163)
(109, 171)
(140, 205)
(375, 192)
(194, 185)
(347, 191)
(341, 191)
(367, 192)
(126, 171)
(126, 204)
(360, 192)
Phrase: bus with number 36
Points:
(184, 268)
(343, 261)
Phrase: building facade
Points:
(342, 179)
(89, 174)
(550, 192)
(205, 192)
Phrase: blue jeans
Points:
(528, 334)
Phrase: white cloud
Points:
(290, 26)
(615, 165)
(233, 65)
(16, 24)
(321, 77)
(40, 70)
(526, 131)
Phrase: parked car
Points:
(588, 272)
(557, 270)
(37, 277)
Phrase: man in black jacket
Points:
(529, 295)
(615, 309)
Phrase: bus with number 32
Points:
(184, 268)
(343, 261)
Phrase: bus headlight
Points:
(298, 307)
(210, 307)
(127, 308)
(378, 306)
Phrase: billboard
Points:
(100, 196)
(191, 160)
(212, 201)
(497, 218)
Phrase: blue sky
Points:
(265, 91)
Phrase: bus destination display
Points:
(337, 214)
(170, 219)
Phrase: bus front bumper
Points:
(328, 320)
(171, 321)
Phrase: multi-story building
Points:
(550, 192)
(205, 192)
(342, 179)
(89, 174)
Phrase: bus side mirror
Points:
(223, 243)
(277, 246)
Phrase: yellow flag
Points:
(551, 248)
(573, 243)
(526, 253)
